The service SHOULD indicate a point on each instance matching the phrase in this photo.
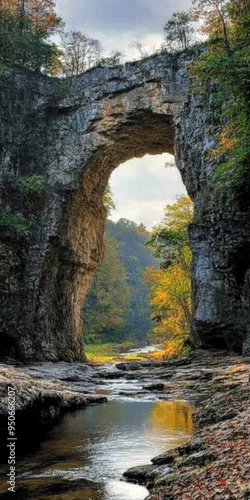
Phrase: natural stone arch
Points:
(132, 124)
(79, 131)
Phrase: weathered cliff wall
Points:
(73, 134)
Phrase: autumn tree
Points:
(178, 31)
(25, 30)
(215, 19)
(226, 24)
(79, 52)
(171, 284)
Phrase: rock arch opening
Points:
(139, 134)
(117, 306)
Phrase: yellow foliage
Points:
(171, 302)
(171, 287)
(226, 142)
(178, 215)
(95, 358)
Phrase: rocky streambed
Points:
(212, 464)
(43, 390)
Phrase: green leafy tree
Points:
(179, 31)
(169, 239)
(131, 238)
(25, 30)
(105, 308)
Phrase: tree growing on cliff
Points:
(109, 62)
(25, 30)
(179, 31)
(140, 49)
(108, 200)
(214, 18)
(79, 52)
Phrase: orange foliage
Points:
(213, 13)
(40, 13)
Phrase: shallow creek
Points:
(84, 456)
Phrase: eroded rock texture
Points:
(74, 134)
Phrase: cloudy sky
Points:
(141, 187)
(116, 23)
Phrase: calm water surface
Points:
(85, 455)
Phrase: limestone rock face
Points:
(73, 134)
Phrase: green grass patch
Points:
(104, 353)
(113, 353)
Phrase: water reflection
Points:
(173, 416)
(85, 455)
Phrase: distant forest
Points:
(117, 307)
